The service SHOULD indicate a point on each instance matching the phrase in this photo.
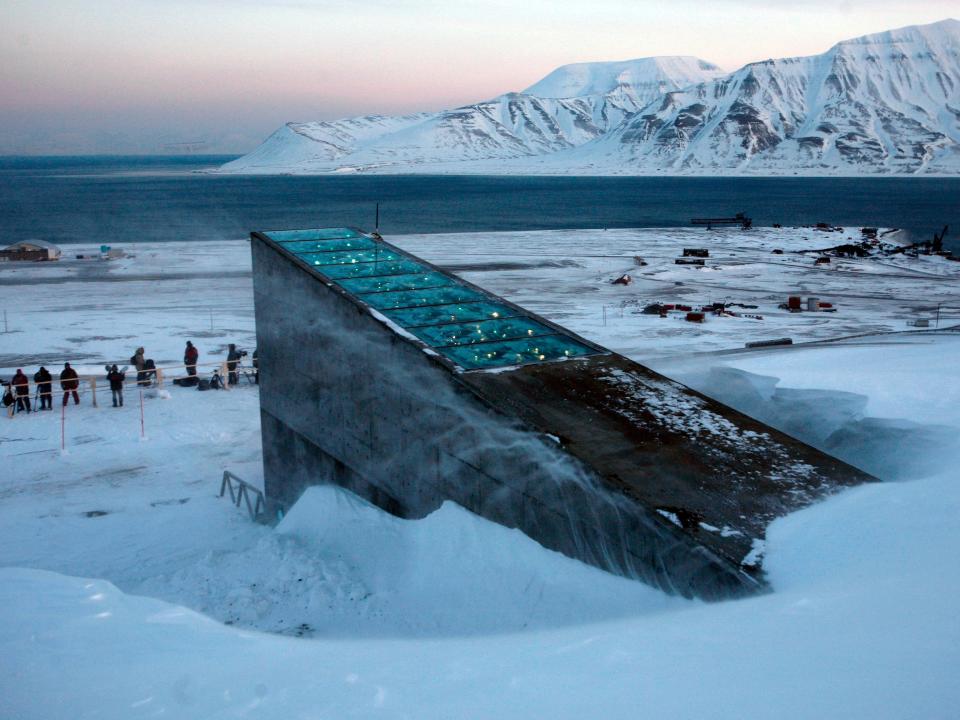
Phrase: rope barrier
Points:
(12, 412)
(156, 378)
(86, 385)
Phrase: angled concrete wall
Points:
(596, 457)
(346, 399)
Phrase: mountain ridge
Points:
(886, 103)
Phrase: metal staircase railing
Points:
(241, 492)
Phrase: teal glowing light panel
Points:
(470, 327)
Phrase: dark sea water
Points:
(117, 199)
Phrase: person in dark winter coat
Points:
(21, 389)
(8, 399)
(116, 385)
(44, 382)
(256, 367)
(69, 382)
(138, 361)
(233, 359)
(190, 357)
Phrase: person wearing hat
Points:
(138, 361)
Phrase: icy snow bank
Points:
(454, 572)
(339, 567)
(863, 625)
(888, 404)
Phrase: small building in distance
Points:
(30, 250)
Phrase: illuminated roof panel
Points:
(471, 333)
(374, 269)
(453, 293)
(386, 283)
(455, 313)
(470, 327)
(517, 352)
(347, 257)
(305, 246)
(314, 234)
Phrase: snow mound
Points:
(337, 566)
(862, 625)
(455, 572)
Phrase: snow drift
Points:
(871, 634)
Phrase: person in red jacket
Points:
(21, 389)
(69, 383)
(190, 356)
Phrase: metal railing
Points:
(240, 492)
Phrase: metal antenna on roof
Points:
(376, 224)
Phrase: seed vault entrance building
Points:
(410, 386)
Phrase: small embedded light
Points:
(495, 314)
(541, 357)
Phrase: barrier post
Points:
(142, 435)
(63, 427)
(159, 377)
(93, 389)
(226, 375)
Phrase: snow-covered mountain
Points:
(539, 121)
(887, 103)
(644, 78)
(884, 103)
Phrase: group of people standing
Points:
(18, 391)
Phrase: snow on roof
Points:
(33, 245)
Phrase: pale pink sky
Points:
(141, 75)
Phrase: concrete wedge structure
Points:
(410, 387)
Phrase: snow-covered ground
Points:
(114, 546)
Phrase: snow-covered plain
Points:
(113, 547)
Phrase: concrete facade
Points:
(597, 458)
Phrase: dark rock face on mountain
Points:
(885, 103)
(880, 104)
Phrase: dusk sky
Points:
(140, 76)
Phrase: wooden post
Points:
(159, 377)
(226, 375)
(93, 389)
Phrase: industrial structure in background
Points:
(411, 387)
(30, 251)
